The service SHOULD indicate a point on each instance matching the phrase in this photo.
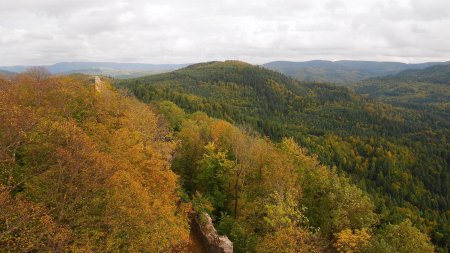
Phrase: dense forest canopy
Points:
(85, 172)
(398, 154)
(283, 167)
(426, 90)
(274, 197)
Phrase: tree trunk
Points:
(236, 190)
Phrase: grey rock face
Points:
(209, 236)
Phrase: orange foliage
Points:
(95, 165)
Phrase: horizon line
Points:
(190, 63)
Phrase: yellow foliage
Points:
(290, 240)
(348, 241)
(97, 164)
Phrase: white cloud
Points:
(175, 31)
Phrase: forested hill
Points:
(439, 74)
(398, 154)
(251, 95)
(426, 90)
(342, 72)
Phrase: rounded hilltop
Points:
(215, 64)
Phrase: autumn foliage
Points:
(272, 197)
(88, 171)
(85, 172)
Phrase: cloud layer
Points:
(176, 31)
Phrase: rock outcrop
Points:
(209, 236)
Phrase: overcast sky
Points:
(257, 31)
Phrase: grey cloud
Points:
(171, 31)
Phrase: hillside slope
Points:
(427, 90)
(435, 74)
(261, 98)
(397, 154)
(342, 72)
(81, 171)
(273, 197)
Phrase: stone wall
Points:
(211, 240)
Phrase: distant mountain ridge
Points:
(435, 74)
(114, 69)
(6, 73)
(339, 72)
(344, 71)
